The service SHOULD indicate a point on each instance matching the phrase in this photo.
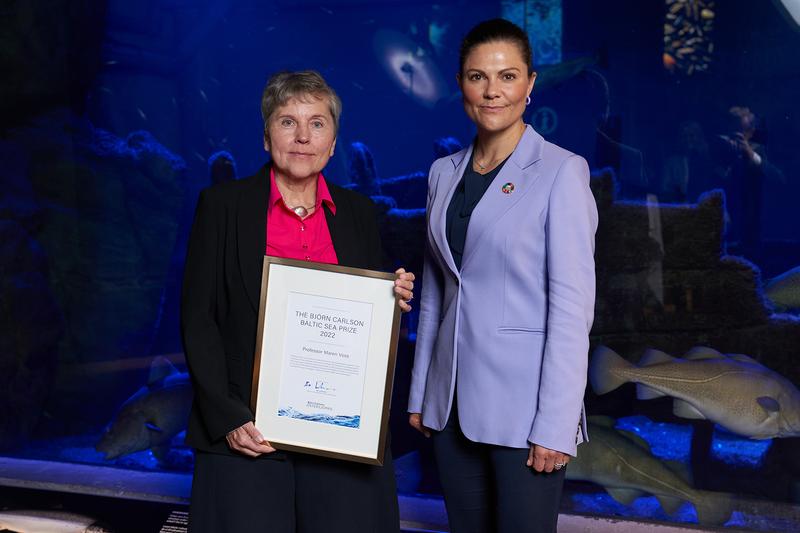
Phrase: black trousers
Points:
(292, 493)
(489, 489)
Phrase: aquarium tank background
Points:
(114, 115)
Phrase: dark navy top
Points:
(468, 193)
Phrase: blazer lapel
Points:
(495, 203)
(341, 245)
(251, 231)
(438, 215)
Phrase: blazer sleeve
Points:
(570, 229)
(430, 306)
(202, 341)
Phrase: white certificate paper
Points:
(325, 359)
(325, 349)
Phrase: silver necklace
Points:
(487, 165)
(300, 210)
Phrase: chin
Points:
(495, 126)
(303, 172)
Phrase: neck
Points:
(295, 192)
(494, 145)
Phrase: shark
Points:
(735, 391)
(152, 416)
(621, 461)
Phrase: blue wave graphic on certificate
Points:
(336, 420)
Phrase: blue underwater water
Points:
(81, 449)
(735, 450)
(344, 421)
(645, 506)
(673, 442)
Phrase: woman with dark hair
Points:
(286, 209)
(508, 301)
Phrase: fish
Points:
(784, 290)
(734, 391)
(669, 61)
(35, 521)
(553, 75)
(151, 417)
(621, 461)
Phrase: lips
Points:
(492, 109)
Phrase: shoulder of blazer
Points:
(446, 164)
(555, 153)
(229, 192)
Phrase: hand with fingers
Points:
(544, 459)
(403, 288)
(247, 440)
(415, 420)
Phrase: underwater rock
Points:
(108, 229)
(409, 191)
(403, 237)
(109, 211)
(725, 297)
(633, 235)
(362, 172)
(29, 334)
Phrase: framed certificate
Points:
(325, 358)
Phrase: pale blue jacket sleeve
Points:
(570, 230)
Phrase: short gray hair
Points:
(303, 84)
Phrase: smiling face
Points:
(495, 84)
(301, 137)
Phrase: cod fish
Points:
(734, 391)
(622, 463)
(784, 290)
(152, 416)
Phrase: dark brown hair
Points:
(495, 30)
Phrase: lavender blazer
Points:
(512, 327)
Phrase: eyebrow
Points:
(501, 70)
(312, 117)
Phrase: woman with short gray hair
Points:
(287, 209)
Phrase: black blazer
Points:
(221, 291)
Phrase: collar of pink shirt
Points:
(323, 194)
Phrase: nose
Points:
(303, 135)
(491, 89)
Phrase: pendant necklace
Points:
(300, 210)
(487, 165)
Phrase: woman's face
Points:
(301, 137)
(495, 84)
